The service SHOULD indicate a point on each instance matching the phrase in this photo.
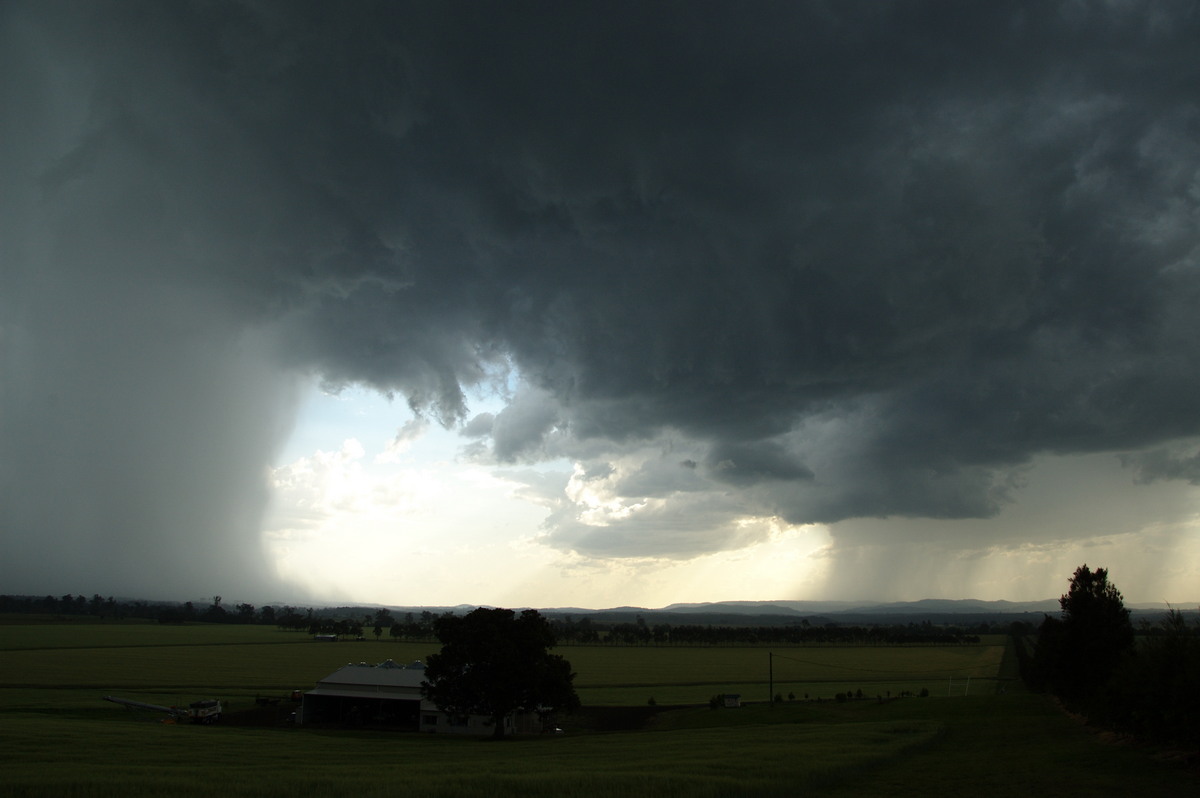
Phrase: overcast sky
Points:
(598, 303)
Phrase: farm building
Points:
(389, 694)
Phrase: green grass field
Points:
(57, 738)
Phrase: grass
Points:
(58, 739)
(117, 635)
(223, 659)
(624, 676)
(238, 660)
(95, 756)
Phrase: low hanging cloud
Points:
(799, 262)
(1164, 464)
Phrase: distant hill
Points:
(786, 608)
(764, 607)
(938, 606)
(972, 606)
(770, 613)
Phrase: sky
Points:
(598, 304)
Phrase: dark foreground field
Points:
(57, 738)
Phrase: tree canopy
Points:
(1085, 647)
(494, 662)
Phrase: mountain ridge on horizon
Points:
(798, 608)
(763, 607)
(809, 607)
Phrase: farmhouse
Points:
(389, 694)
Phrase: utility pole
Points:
(771, 679)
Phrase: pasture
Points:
(58, 738)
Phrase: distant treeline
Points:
(588, 631)
(100, 608)
(80, 606)
(349, 623)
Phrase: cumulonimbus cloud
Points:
(860, 260)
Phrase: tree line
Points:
(353, 623)
(1144, 682)
(100, 608)
(587, 631)
(343, 622)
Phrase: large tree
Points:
(1093, 636)
(494, 662)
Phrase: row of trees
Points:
(97, 606)
(110, 608)
(640, 633)
(349, 622)
(216, 613)
(1147, 685)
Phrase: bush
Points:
(1155, 694)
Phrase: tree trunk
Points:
(498, 726)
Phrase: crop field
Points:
(247, 660)
(622, 676)
(57, 738)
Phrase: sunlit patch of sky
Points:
(372, 504)
(375, 504)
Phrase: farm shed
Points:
(389, 694)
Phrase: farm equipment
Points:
(208, 711)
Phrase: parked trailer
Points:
(207, 711)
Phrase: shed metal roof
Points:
(366, 676)
(342, 692)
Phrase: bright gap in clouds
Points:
(372, 505)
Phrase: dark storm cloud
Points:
(523, 427)
(1163, 464)
(741, 464)
(853, 258)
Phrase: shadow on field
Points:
(612, 719)
(583, 721)
(262, 716)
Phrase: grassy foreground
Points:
(57, 756)
(58, 739)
